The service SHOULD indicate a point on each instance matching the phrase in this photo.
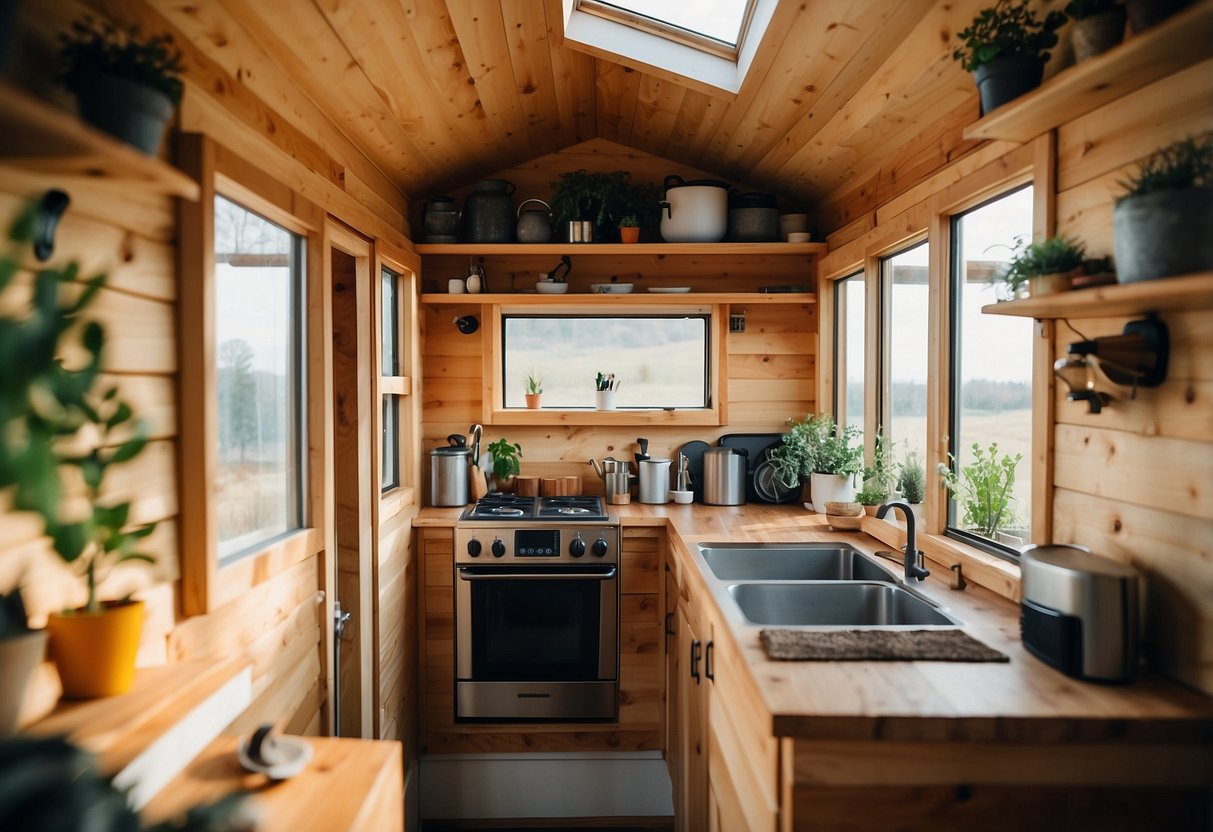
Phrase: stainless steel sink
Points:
(866, 604)
(790, 562)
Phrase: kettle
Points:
(534, 224)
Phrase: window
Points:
(660, 361)
(258, 487)
(991, 375)
(390, 361)
(905, 298)
(711, 25)
(849, 352)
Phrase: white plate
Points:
(670, 290)
(611, 288)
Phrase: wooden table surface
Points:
(1021, 701)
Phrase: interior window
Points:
(991, 430)
(389, 327)
(905, 304)
(719, 20)
(658, 361)
(258, 348)
(849, 352)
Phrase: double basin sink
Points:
(817, 585)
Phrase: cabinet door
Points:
(675, 666)
(691, 809)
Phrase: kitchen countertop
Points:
(1020, 701)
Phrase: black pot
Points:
(1163, 234)
(125, 109)
(1098, 33)
(1004, 79)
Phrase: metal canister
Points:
(488, 214)
(449, 475)
(724, 472)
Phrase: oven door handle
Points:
(466, 575)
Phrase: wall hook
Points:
(467, 324)
(46, 221)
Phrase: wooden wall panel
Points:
(1134, 482)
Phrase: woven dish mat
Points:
(877, 645)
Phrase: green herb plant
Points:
(912, 479)
(878, 477)
(54, 420)
(1185, 164)
(816, 444)
(983, 488)
(1052, 256)
(1008, 28)
(604, 199)
(92, 47)
(505, 459)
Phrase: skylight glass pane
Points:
(718, 19)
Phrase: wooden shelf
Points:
(1186, 292)
(635, 299)
(1180, 41)
(615, 249)
(550, 416)
(39, 137)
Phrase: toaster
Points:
(1078, 612)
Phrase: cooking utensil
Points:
(695, 211)
(534, 224)
(694, 454)
(477, 482)
(644, 450)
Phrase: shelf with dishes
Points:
(1183, 293)
(623, 249)
(655, 297)
(1182, 40)
(37, 136)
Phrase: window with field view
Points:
(849, 311)
(905, 297)
(258, 348)
(659, 361)
(991, 431)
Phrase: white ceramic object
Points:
(611, 288)
(827, 488)
(456, 286)
(551, 287)
(682, 497)
(604, 399)
(694, 212)
(793, 223)
(670, 290)
(283, 756)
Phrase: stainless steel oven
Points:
(537, 616)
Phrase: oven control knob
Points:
(498, 548)
(577, 547)
(599, 548)
(474, 548)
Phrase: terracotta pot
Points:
(95, 652)
(1098, 33)
(532, 400)
(629, 234)
(871, 510)
(1051, 284)
(19, 658)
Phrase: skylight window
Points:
(712, 25)
(707, 45)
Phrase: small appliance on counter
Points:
(1079, 612)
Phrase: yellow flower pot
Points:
(95, 652)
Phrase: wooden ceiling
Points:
(845, 96)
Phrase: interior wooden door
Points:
(350, 263)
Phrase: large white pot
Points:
(826, 488)
(695, 211)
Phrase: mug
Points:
(456, 286)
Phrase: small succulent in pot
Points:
(534, 390)
(1169, 198)
(125, 85)
(1006, 47)
(1044, 267)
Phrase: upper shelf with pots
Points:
(625, 249)
(1180, 41)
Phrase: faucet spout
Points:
(915, 571)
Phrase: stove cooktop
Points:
(527, 509)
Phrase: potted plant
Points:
(54, 419)
(817, 449)
(983, 489)
(505, 463)
(605, 386)
(1042, 268)
(534, 390)
(1098, 26)
(629, 229)
(21, 651)
(878, 477)
(1160, 226)
(912, 483)
(1006, 47)
(124, 85)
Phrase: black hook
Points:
(467, 324)
(46, 222)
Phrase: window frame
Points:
(838, 353)
(494, 411)
(405, 265)
(206, 582)
(672, 31)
